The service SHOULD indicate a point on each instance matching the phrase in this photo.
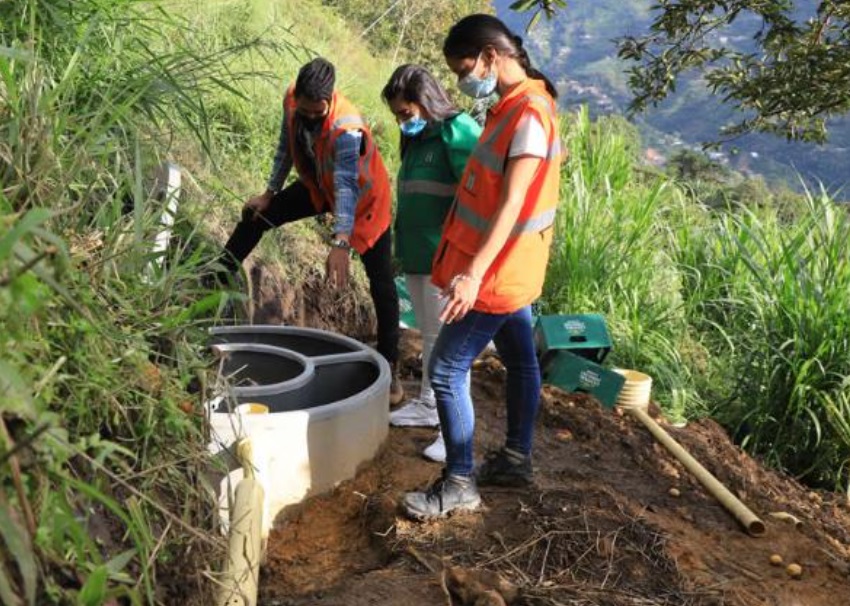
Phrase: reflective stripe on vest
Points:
(477, 199)
(484, 152)
(349, 122)
(492, 161)
(480, 224)
(515, 277)
(433, 188)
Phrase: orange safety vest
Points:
(515, 278)
(372, 216)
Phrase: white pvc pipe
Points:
(168, 183)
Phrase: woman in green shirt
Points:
(436, 141)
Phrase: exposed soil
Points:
(311, 303)
(601, 526)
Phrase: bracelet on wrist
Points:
(340, 243)
(463, 278)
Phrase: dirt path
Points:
(600, 527)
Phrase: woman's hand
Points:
(462, 292)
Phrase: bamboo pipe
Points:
(747, 518)
(240, 581)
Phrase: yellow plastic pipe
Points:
(240, 581)
(747, 518)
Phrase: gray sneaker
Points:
(449, 493)
(506, 467)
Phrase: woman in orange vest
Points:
(492, 259)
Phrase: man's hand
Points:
(337, 267)
(256, 206)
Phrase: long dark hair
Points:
(415, 84)
(472, 34)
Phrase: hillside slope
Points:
(103, 359)
(600, 528)
(579, 50)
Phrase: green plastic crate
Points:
(574, 373)
(584, 335)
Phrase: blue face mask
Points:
(413, 126)
(476, 87)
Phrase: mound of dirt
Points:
(601, 526)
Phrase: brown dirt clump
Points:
(311, 303)
(600, 528)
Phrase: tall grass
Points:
(738, 312)
(101, 445)
(102, 449)
(611, 255)
(786, 317)
(249, 124)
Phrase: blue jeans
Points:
(457, 346)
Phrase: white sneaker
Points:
(416, 413)
(437, 450)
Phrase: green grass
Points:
(610, 254)
(785, 316)
(250, 123)
(737, 311)
(101, 449)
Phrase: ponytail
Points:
(525, 61)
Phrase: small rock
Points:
(564, 435)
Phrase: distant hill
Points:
(577, 49)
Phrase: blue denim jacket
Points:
(346, 186)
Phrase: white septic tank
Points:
(324, 409)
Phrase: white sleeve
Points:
(529, 139)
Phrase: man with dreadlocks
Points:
(339, 171)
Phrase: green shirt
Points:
(431, 168)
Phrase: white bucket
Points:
(636, 390)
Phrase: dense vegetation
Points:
(102, 447)
(736, 309)
(763, 64)
(787, 70)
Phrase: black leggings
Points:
(292, 204)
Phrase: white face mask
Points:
(476, 87)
